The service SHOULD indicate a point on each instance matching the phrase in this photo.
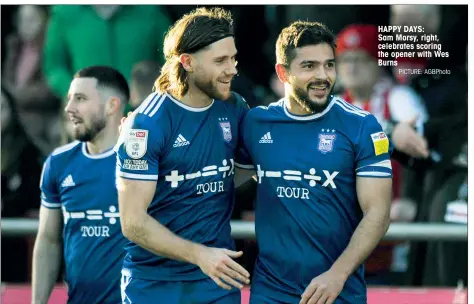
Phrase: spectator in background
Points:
(436, 186)
(142, 81)
(428, 16)
(38, 108)
(368, 87)
(21, 170)
(112, 35)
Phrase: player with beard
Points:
(175, 172)
(79, 205)
(324, 180)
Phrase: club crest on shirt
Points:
(136, 143)
(226, 131)
(326, 141)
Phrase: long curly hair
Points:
(193, 32)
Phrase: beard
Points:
(302, 97)
(206, 85)
(89, 133)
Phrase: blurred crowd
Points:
(43, 46)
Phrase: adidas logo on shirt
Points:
(68, 181)
(180, 141)
(266, 139)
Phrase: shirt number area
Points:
(89, 217)
(175, 178)
(326, 180)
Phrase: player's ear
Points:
(112, 105)
(186, 61)
(281, 72)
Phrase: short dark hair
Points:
(193, 32)
(300, 34)
(107, 77)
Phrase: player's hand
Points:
(130, 115)
(407, 140)
(219, 265)
(323, 289)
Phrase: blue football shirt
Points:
(306, 206)
(189, 152)
(83, 186)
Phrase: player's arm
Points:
(139, 227)
(375, 198)
(374, 193)
(136, 189)
(47, 252)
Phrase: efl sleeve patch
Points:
(136, 143)
(380, 141)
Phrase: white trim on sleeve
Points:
(384, 163)
(373, 174)
(50, 205)
(138, 176)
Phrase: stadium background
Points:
(35, 79)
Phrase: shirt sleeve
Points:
(138, 149)
(48, 184)
(373, 150)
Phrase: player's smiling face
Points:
(312, 75)
(215, 67)
(85, 109)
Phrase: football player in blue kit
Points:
(324, 180)
(79, 206)
(176, 168)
